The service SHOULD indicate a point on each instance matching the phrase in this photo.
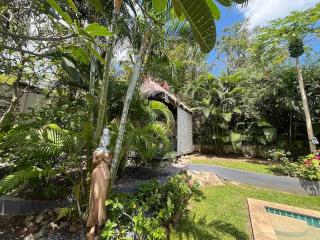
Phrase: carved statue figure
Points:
(99, 184)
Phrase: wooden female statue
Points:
(99, 185)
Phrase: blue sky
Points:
(229, 16)
(259, 13)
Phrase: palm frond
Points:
(20, 177)
(147, 141)
(176, 30)
(161, 108)
(41, 145)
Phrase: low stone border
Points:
(260, 222)
(19, 206)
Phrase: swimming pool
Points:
(274, 221)
(312, 221)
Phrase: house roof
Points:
(150, 88)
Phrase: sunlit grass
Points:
(223, 213)
(242, 164)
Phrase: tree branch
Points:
(44, 54)
(37, 38)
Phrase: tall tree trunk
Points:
(305, 106)
(104, 90)
(90, 139)
(101, 119)
(6, 117)
(93, 75)
(132, 85)
(290, 130)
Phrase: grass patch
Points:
(247, 165)
(223, 213)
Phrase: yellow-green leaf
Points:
(159, 5)
(96, 54)
(79, 54)
(213, 9)
(176, 8)
(72, 5)
(59, 10)
(96, 29)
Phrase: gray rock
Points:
(29, 237)
(52, 225)
(28, 220)
(40, 218)
(40, 234)
(56, 210)
(64, 224)
(51, 213)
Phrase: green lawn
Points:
(223, 213)
(242, 164)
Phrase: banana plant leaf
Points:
(201, 20)
(201, 15)
(226, 3)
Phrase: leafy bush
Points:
(150, 213)
(38, 150)
(307, 168)
(279, 155)
(311, 170)
(288, 168)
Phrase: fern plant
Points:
(22, 176)
(37, 153)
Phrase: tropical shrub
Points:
(288, 168)
(148, 132)
(279, 155)
(307, 168)
(41, 153)
(311, 170)
(150, 213)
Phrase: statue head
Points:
(104, 140)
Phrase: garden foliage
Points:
(307, 167)
(150, 213)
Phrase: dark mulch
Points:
(144, 173)
(10, 227)
(15, 228)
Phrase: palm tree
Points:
(217, 101)
(294, 29)
(204, 32)
(296, 50)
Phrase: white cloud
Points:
(260, 12)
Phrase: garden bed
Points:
(28, 200)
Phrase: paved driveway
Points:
(286, 184)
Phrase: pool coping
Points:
(260, 222)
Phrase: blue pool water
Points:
(312, 221)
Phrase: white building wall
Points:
(184, 132)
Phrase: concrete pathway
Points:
(286, 184)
